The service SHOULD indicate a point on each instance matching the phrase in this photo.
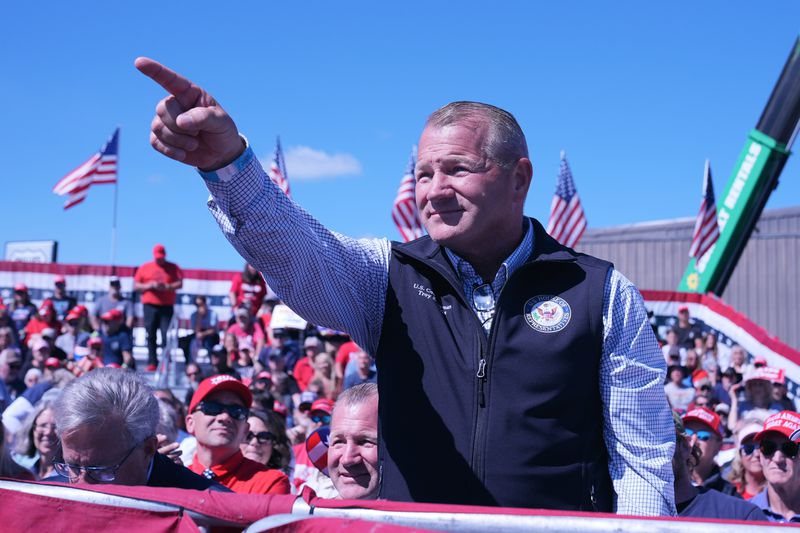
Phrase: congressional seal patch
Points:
(547, 313)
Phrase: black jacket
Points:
(513, 420)
(166, 473)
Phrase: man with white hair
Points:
(106, 421)
(353, 443)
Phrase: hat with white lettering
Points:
(786, 423)
(705, 416)
(219, 383)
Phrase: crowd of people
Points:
(263, 397)
(733, 416)
(75, 409)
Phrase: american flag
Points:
(99, 169)
(404, 210)
(277, 169)
(706, 230)
(567, 219)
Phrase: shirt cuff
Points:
(225, 174)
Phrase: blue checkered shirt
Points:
(340, 282)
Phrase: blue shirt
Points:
(762, 501)
(116, 343)
(340, 282)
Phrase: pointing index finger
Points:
(183, 89)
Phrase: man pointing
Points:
(512, 371)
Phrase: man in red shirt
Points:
(248, 288)
(157, 281)
(218, 420)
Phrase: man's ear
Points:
(190, 424)
(150, 446)
(521, 176)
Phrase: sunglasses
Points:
(262, 436)
(788, 448)
(483, 298)
(701, 435)
(749, 448)
(237, 412)
(325, 419)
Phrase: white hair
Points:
(108, 393)
(505, 143)
(356, 395)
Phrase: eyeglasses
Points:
(749, 448)
(192, 374)
(701, 435)
(325, 419)
(237, 412)
(98, 474)
(262, 436)
(483, 297)
(788, 448)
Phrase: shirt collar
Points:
(466, 272)
(228, 467)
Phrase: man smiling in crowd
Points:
(218, 420)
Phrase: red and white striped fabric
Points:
(277, 170)
(706, 229)
(567, 220)
(404, 210)
(99, 169)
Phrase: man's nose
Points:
(351, 455)
(440, 186)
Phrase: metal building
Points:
(765, 285)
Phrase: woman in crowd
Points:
(37, 443)
(746, 473)
(710, 359)
(266, 441)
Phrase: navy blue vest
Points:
(513, 420)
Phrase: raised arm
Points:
(327, 278)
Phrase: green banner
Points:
(743, 199)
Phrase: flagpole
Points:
(114, 216)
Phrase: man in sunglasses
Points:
(486, 320)
(778, 445)
(218, 420)
(704, 429)
(106, 421)
(702, 502)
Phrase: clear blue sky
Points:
(637, 93)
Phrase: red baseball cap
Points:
(112, 314)
(704, 416)
(683, 309)
(20, 287)
(323, 404)
(95, 341)
(159, 252)
(60, 279)
(47, 305)
(80, 309)
(218, 383)
(264, 375)
(786, 423)
(52, 362)
(281, 409)
(73, 315)
(767, 373)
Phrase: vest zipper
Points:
(481, 375)
(480, 422)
